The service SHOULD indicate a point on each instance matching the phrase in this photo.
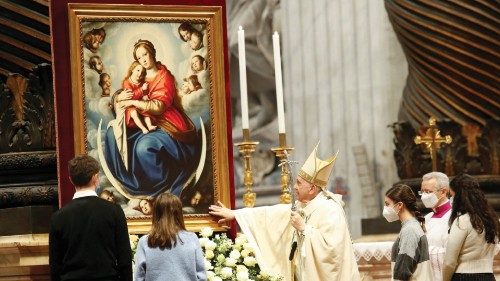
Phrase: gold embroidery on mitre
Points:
(317, 171)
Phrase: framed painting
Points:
(149, 101)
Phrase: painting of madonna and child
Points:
(147, 94)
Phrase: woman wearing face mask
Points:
(410, 252)
(474, 233)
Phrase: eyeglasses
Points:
(420, 193)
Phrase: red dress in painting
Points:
(138, 94)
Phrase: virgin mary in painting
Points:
(163, 159)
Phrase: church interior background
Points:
(361, 76)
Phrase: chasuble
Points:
(324, 249)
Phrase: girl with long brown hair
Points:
(410, 251)
(169, 252)
(474, 232)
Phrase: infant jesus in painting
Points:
(135, 82)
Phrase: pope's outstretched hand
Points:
(221, 211)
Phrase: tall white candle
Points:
(243, 78)
(279, 82)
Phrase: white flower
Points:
(226, 272)
(247, 246)
(134, 238)
(240, 239)
(206, 232)
(203, 241)
(230, 262)
(221, 258)
(210, 275)
(264, 274)
(226, 259)
(249, 261)
(209, 254)
(241, 267)
(208, 265)
(245, 253)
(235, 254)
(224, 247)
(242, 276)
(210, 245)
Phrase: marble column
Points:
(344, 73)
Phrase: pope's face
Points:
(302, 190)
(144, 57)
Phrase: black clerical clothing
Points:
(89, 240)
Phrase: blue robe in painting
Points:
(157, 162)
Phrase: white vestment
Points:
(437, 236)
(120, 133)
(324, 251)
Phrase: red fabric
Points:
(162, 88)
(138, 93)
(441, 210)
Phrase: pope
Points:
(323, 249)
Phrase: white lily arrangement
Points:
(134, 240)
(228, 260)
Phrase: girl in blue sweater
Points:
(169, 252)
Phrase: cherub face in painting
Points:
(107, 82)
(136, 74)
(186, 35)
(145, 207)
(108, 197)
(144, 57)
(99, 66)
(196, 199)
(185, 87)
(195, 42)
(196, 64)
(191, 86)
(96, 41)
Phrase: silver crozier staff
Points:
(291, 182)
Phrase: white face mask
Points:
(390, 214)
(429, 199)
(451, 200)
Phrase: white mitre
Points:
(317, 171)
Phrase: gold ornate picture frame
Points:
(149, 101)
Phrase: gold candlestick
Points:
(285, 197)
(246, 147)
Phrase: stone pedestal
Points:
(24, 257)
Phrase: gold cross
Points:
(432, 140)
